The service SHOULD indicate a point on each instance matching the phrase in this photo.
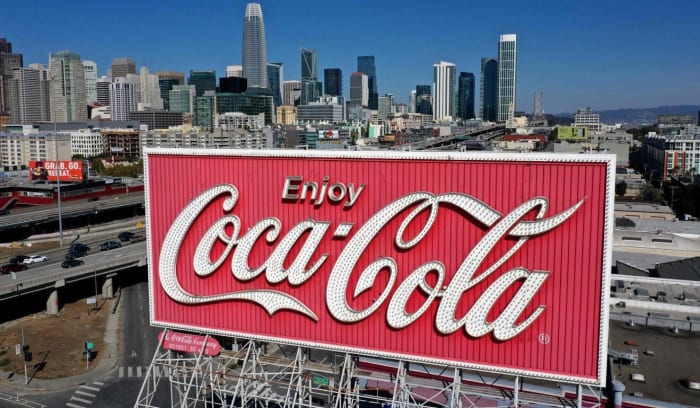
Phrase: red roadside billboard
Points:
(496, 262)
(52, 170)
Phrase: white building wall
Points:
(122, 98)
(444, 91)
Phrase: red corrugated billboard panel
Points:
(492, 262)
(52, 170)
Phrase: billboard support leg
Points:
(347, 395)
(516, 390)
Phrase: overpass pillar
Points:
(108, 289)
(52, 303)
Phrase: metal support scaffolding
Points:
(258, 375)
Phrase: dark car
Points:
(13, 268)
(70, 263)
(18, 259)
(110, 245)
(4, 212)
(72, 254)
(125, 236)
(138, 238)
(78, 246)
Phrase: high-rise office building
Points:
(8, 61)
(233, 84)
(365, 64)
(122, 98)
(181, 98)
(291, 92)
(488, 90)
(150, 90)
(123, 66)
(310, 85)
(275, 76)
(507, 67)
(203, 81)
(424, 99)
(166, 81)
(359, 90)
(384, 106)
(67, 87)
(234, 71)
(445, 96)
(102, 90)
(29, 95)
(90, 71)
(465, 95)
(412, 101)
(333, 81)
(205, 110)
(254, 52)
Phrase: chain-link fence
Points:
(657, 320)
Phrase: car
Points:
(70, 263)
(34, 259)
(125, 236)
(110, 245)
(138, 238)
(4, 212)
(72, 254)
(78, 246)
(12, 267)
(18, 259)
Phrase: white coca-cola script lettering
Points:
(474, 322)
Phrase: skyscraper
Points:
(203, 80)
(507, 66)
(29, 95)
(8, 61)
(385, 104)
(90, 71)
(102, 90)
(254, 51)
(67, 87)
(412, 101)
(150, 90)
(359, 89)
(275, 76)
(366, 65)
(465, 95)
(234, 71)
(123, 66)
(122, 98)
(166, 81)
(488, 90)
(333, 81)
(310, 86)
(424, 100)
(445, 95)
(291, 92)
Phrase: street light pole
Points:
(58, 177)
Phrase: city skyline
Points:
(618, 58)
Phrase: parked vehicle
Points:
(70, 263)
(12, 267)
(18, 259)
(110, 245)
(34, 259)
(125, 236)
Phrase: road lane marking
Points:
(90, 388)
(74, 398)
(87, 394)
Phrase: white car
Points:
(34, 259)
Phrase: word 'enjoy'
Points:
(336, 192)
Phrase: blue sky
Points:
(603, 54)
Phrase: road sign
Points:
(91, 300)
(18, 349)
(89, 345)
(320, 381)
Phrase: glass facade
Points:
(465, 95)
(274, 80)
(204, 111)
(424, 102)
(333, 81)
(254, 50)
(507, 65)
(203, 81)
(365, 64)
(165, 86)
(488, 90)
(248, 104)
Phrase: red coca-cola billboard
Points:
(492, 262)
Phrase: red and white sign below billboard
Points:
(484, 261)
(189, 343)
(52, 170)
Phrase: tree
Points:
(353, 137)
(621, 188)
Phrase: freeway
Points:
(24, 217)
(457, 139)
(49, 274)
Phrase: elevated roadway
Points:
(457, 139)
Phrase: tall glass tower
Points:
(488, 90)
(507, 53)
(465, 95)
(254, 53)
(275, 77)
(333, 78)
(365, 64)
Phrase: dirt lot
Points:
(56, 352)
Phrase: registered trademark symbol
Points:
(544, 338)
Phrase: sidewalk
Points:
(107, 363)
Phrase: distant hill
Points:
(643, 115)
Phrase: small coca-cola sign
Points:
(489, 261)
(189, 343)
